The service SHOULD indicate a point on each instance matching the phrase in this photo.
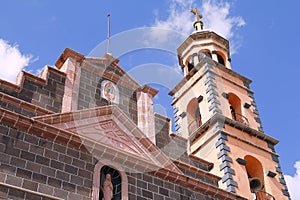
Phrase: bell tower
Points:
(215, 110)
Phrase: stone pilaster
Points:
(145, 111)
(69, 63)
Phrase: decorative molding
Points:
(212, 99)
(226, 160)
(282, 181)
(68, 53)
(149, 90)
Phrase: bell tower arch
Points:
(216, 112)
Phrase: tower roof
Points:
(211, 36)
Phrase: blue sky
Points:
(263, 36)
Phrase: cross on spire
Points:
(198, 25)
(198, 15)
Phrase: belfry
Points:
(215, 110)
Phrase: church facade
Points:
(87, 130)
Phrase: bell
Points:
(255, 184)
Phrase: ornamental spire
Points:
(198, 24)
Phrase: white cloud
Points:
(179, 18)
(293, 182)
(216, 17)
(12, 61)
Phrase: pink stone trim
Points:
(71, 91)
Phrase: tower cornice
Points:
(197, 36)
(233, 123)
(207, 61)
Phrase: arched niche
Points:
(119, 179)
(115, 179)
(254, 169)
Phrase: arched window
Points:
(220, 59)
(255, 174)
(203, 54)
(189, 63)
(235, 109)
(193, 115)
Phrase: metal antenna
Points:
(108, 33)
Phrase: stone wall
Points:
(48, 169)
(176, 148)
(90, 94)
(46, 93)
(21, 107)
(145, 186)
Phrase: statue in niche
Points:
(110, 184)
(107, 188)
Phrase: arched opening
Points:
(110, 177)
(118, 178)
(204, 53)
(193, 115)
(190, 63)
(255, 174)
(221, 59)
(235, 109)
(235, 105)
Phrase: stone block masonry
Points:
(145, 186)
(47, 92)
(90, 94)
(35, 168)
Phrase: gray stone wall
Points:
(48, 96)
(36, 164)
(90, 94)
(145, 186)
(175, 148)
